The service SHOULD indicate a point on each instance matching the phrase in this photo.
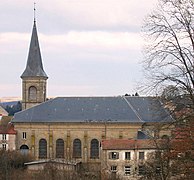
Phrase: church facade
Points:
(72, 128)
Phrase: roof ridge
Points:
(133, 109)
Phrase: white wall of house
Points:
(7, 141)
(123, 167)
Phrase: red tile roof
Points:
(5, 126)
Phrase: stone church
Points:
(72, 128)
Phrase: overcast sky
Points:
(88, 47)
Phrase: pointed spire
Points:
(34, 67)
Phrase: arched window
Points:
(94, 149)
(77, 148)
(24, 149)
(32, 93)
(42, 148)
(165, 137)
(59, 148)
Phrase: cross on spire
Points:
(34, 12)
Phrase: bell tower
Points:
(34, 79)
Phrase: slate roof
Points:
(95, 109)
(142, 135)
(34, 65)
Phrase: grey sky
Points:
(89, 47)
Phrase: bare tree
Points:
(172, 160)
(169, 56)
(169, 68)
(12, 164)
(169, 49)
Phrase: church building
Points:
(72, 128)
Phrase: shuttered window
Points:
(114, 155)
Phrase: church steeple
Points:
(34, 77)
(34, 67)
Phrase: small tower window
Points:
(32, 93)
(24, 135)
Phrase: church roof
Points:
(34, 65)
(96, 109)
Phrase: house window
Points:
(158, 170)
(127, 155)
(127, 170)
(157, 154)
(24, 135)
(113, 168)
(4, 137)
(42, 148)
(141, 170)
(94, 149)
(4, 146)
(141, 155)
(59, 148)
(113, 155)
(77, 148)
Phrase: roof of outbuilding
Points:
(95, 109)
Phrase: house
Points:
(7, 134)
(125, 158)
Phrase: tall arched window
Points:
(94, 149)
(32, 93)
(42, 148)
(77, 148)
(59, 148)
(24, 149)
